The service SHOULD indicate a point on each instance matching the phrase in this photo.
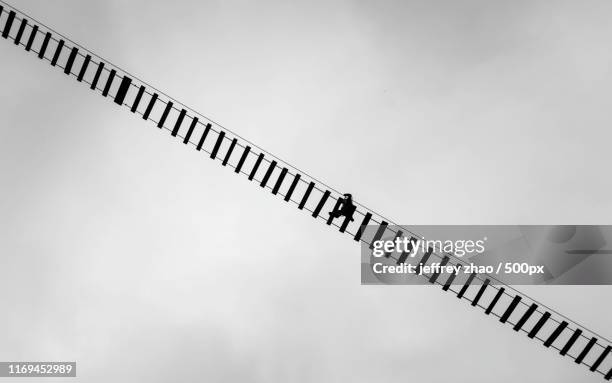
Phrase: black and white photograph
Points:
(305, 191)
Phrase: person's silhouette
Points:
(344, 207)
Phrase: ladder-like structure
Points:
(523, 314)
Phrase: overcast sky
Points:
(145, 261)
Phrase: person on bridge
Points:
(344, 208)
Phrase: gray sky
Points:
(143, 261)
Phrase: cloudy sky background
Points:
(144, 261)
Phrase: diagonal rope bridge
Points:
(523, 314)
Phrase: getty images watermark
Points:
(519, 255)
